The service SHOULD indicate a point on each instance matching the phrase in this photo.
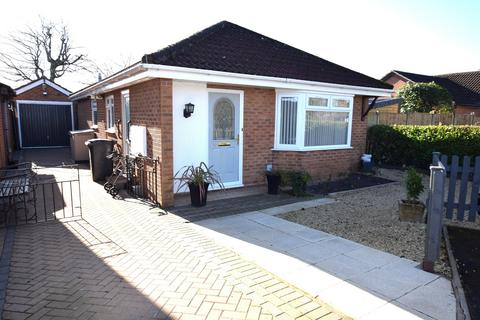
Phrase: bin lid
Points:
(97, 141)
(81, 131)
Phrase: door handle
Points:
(238, 138)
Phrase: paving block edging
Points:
(5, 259)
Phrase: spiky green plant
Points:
(198, 176)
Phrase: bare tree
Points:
(43, 52)
(107, 69)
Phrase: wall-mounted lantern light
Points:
(44, 88)
(188, 110)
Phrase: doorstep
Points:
(241, 203)
(360, 281)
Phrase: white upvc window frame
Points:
(299, 133)
(94, 109)
(110, 114)
(302, 108)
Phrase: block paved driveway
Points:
(124, 260)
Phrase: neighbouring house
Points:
(7, 138)
(255, 102)
(464, 87)
(44, 114)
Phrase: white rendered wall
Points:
(190, 135)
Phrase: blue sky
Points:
(369, 36)
(456, 21)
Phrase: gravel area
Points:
(370, 216)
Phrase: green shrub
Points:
(413, 145)
(297, 180)
(425, 97)
(414, 184)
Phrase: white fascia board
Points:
(209, 76)
(141, 77)
(45, 102)
(99, 86)
(39, 82)
(180, 73)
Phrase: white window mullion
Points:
(350, 120)
(301, 121)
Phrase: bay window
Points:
(310, 121)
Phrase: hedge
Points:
(413, 145)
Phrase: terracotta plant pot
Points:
(197, 199)
(273, 183)
(411, 211)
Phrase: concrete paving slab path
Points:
(363, 282)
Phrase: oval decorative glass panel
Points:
(224, 120)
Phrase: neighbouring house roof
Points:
(39, 82)
(231, 48)
(6, 91)
(464, 87)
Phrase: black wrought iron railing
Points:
(142, 178)
(40, 195)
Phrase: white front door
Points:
(126, 122)
(224, 135)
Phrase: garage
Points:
(44, 115)
(44, 124)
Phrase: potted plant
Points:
(274, 178)
(198, 179)
(412, 209)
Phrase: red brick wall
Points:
(84, 116)
(397, 82)
(102, 113)
(37, 94)
(151, 106)
(7, 136)
(324, 164)
(467, 110)
(259, 131)
(83, 113)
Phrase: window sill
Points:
(306, 149)
(95, 127)
(110, 130)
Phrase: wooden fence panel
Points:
(421, 119)
(462, 196)
(468, 185)
(475, 188)
(452, 186)
(444, 118)
(436, 203)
